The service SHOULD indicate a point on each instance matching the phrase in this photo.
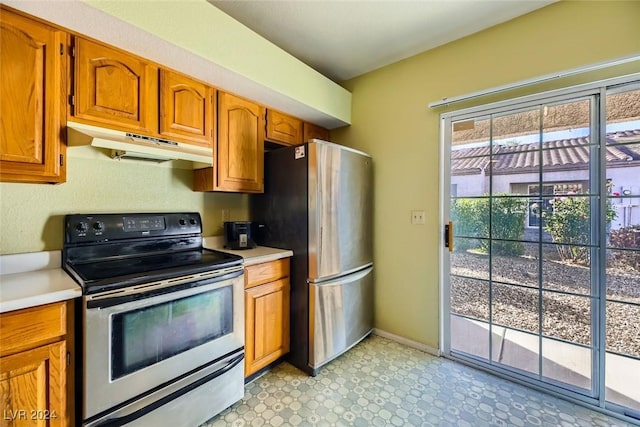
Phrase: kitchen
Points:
(32, 215)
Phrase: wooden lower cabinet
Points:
(35, 366)
(266, 314)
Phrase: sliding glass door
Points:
(545, 266)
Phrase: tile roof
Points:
(563, 154)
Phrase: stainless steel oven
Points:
(162, 320)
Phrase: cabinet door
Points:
(32, 104)
(33, 386)
(114, 88)
(312, 131)
(266, 324)
(186, 109)
(240, 147)
(284, 129)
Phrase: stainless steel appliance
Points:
(318, 202)
(162, 319)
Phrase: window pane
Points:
(515, 307)
(567, 363)
(567, 123)
(470, 336)
(470, 217)
(566, 268)
(623, 328)
(466, 132)
(517, 269)
(521, 129)
(622, 379)
(470, 297)
(469, 174)
(516, 349)
(567, 220)
(566, 317)
(468, 263)
(507, 222)
(623, 275)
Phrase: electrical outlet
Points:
(417, 217)
(225, 215)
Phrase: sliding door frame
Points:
(598, 90)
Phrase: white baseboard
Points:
(407, 342)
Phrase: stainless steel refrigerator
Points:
(318, 202)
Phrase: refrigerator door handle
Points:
(336, 280)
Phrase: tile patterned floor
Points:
(383, 383)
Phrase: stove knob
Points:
(182, 221)
(192, 221)
(82, 227)
(98, 226)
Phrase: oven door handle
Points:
(144, 293)
(125, 419)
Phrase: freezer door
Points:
(341, 314)
(340, 210)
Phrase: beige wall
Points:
(31, 215)
(391, 120)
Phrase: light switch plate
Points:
(417, 217)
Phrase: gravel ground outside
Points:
(564, 316)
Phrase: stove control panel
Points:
(82, 228)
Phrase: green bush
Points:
(471, 219)
(568, 223)
(628, 238)
(507, 223)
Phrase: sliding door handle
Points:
(448, 236)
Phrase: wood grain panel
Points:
(187, 109)
(312, 131)
(258, 274)
(266, 324)
(25, 328)
(114, 88)
(33, 387)
(32, 105)
(282, 128)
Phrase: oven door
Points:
(140, 339)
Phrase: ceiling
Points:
(343, 39)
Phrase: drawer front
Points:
(266, 272)
(27, 328)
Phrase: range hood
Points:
(130, 145)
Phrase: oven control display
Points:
(148, 223)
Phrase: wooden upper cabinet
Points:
(239, 150)
(283, 129)
(312, 131)
(114, 88)
(32, 101)
(186, 109)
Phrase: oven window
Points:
(148, 335)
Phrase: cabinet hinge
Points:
(72, 100)
(68, 359)
(72, 51)
(61, 159)
(61, 49)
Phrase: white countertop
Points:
(256, 255)
(31, 279)
(28, 280)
